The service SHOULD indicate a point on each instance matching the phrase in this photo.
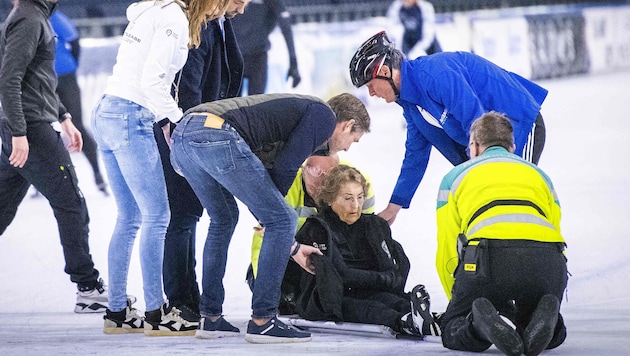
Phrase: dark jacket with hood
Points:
(27, 74)
(359, 260)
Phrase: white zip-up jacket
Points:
(154, 48)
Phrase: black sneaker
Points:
(274, 332)
(93, 298)
(212, 330)
(489, 325)
(168, 321)
(422, 317)
(539, 332)
(123, 322)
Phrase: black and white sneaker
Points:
(420, 309)
(409, 328)
(212, 330)
(274, 332)
(125, 321)
(94, 298)
(168, 321)
(489, 325)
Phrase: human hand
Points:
(390, 212)
(19, 154)
(166, 130)
(294, 73)
(303, 257)
(75, 140)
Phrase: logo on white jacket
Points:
(170, 33)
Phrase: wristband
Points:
(163, 122)
(296, 249)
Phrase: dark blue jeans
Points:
(50, 169)
(219, 165)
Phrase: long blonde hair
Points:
(200, 12)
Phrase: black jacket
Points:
(27, 74)
(214, 70)
(373, 262)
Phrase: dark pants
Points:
(380, 308)
(179, 276)
(50, 170)
(255, 71)
(536, 143)
(70, 96)
(519, 273)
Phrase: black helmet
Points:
(369, 58)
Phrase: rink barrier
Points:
(537, 43)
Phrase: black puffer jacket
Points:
(27, 74)
(358, 259)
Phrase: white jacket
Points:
(154, 48)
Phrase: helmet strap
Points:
(391, 82)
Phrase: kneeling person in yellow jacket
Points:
(500, 250)
(302, 196)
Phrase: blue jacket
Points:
(442, 94)
(67, 37)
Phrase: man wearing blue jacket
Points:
(441, 95)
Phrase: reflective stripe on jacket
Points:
(494, 196)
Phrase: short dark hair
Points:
(492, 129)
(337, 177)
(347, 107)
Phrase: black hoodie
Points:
(27, 75)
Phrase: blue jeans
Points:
(124, 133)
(219, 165)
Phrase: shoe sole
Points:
(169, 333)
(263, 339)
(204, 334)
(424, 314)
(539, 332)
(118, 331)
(495, 329)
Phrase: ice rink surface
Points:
(586, 156)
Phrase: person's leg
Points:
(256, 70)
(535, 141)
(50, 169)
(13, 186)
(370, 312)
(180, 282)
(124, 131)
(70, 96)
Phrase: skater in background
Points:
(302, 197)
(269, 137)
(213, 71)
(252, 32)
(441, 95)
(418, 20)
(500, 252)
(33, 152)
(66, 64)
(138, 94)
(363, 271)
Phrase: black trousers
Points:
(51, 171)
(380, 308)
(70, 96)
(519, 273)
(178, 273)
(255, 71)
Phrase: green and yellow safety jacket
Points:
(297, 197)
(497, 195)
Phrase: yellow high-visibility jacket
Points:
(296, 196)
(494, 196)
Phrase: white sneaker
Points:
(95, 300)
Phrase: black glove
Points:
(294, 73)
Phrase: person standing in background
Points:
(252, 32)
(153, 49)
(418, 20)
(66, 64)
(33, 152)
(213, 71)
